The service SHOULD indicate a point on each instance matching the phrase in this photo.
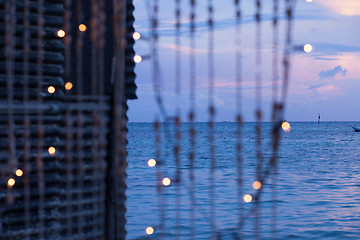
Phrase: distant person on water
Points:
(319, 119)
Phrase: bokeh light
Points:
(151, 163)
(68, 86)
(308, 48)
(11, 182)
(61, 33)
(82, 27)
(286, 127)
(309, 0)
(136, 36)
(247, 198)
(149, 230)
(256, 185)
(51, 89)
(19, 172)
(137, 58)
(166, 181)
(52, 151)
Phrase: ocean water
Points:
(318, 182)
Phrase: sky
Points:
(325, 81)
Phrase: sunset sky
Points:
(325, 81)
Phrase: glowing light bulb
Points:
(11, 183)
(51, 89)
(136, 36)
(286, 127)
(19, 172)
(68, 86)
(247, 198)
(152, 163)
(61, 33)
(256, 185)
(308, 48)
(82, 27)
(51, 151)
(137, 58)
(166, 181)
(149, 230)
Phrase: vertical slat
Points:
(10, 21)
(101, 113)
(116, 173)
(27, 144)
(68, 119)
(79, 116)
(40, 126)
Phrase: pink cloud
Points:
(329, 90)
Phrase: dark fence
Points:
(63, 118)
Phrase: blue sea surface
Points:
(317, 188)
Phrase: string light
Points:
(308, 48)
(286, 127)
(19, 172)
(136, 36)
(256, 185)
(51, 89)
(247, 198)
(166, 181)
(137, 58)
(61, 33)
(149, 230)
(152, 163)
(11, 183)
(52, 151)
(68, 86)
(82, 27)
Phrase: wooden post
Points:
(116, 171)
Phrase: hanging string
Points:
(211, 110)
(239, 122)
(27, 123)
(275, 131)
(79, 115)
(153, 13)
(192, 129)
(178, 118)
(155, 78)
(258, 114)
(40, 127)
(68, 120)
(290, 4)
(159, 177)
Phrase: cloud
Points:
(325, 58)
(331, 73)
(314, 87)
(343, 7)
(334, 48)
(325, 90)
(183, 49)
(328, 89)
